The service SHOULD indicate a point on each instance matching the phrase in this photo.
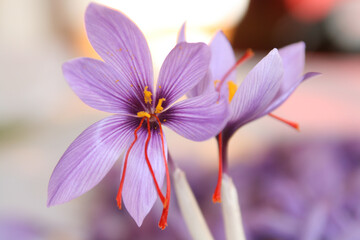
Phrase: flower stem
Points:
(189, 208)
(231, 210)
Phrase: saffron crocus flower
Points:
(264, 89)
(123, 84)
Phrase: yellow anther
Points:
(159, 108)
(232, 89)
(143, 114)
(147, 95)
(216, 82)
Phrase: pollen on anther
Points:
(232, 89)
(147, 95)
(117, 81)
(159, 107)
(143, 114)
(159, 86)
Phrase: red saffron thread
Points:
(118, 196)
(248, 54)
(162, 198)
(164, 215)
(290, 123)
(217, 193)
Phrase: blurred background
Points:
(40, 115)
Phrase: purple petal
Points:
(121, 44)
(203, 87)
(181, 36)
(182, 69)
(222, 59)
(293, 58)
(139, 192)
(281, 97)
(310, 75)
(197, 118)
(89, 158)
(257, 90)
(100, 87)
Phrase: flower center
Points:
(150, 117)
(147, 98)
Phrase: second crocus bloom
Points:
(265, 88)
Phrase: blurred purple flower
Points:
(19, 228)
(265, 88)
(123, 84)
(306, 190)
(291, 191)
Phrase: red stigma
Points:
(248, 54)
(161, 196)
(118, 197)
(217, 193)
(290, 123)
(163, 219)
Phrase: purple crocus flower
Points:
(265, 88)
(123, 84)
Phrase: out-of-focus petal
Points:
(257, 90)
(100, 87)
(184, 67)
(89, 158)
(139, 192)
(203, 87)
(280, 98)
(293, 58)
(197, 118)
(121, 44)
(310, 75)
(222, 59)
(181, 35)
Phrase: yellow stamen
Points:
(147, 95)
(143, 114)
(216, 82)
(232, 89)
(159, 108)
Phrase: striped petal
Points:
(100, 87)
(257, 90)
(184, 67)
(139, 192)
(89, 158)
(121, 44)
(197, 118)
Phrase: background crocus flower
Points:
(123, 84)
(265, 88)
